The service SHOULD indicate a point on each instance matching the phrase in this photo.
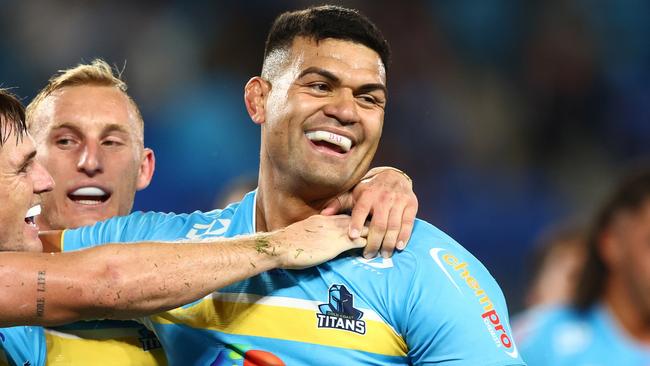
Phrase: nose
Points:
(90, 161)
(343, 107)
(43, 181)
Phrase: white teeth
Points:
(88, 202)
(89, 191)
(338, 140)
(34, 211)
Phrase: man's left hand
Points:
(386, 194)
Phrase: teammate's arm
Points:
(127, 281)
(386, 194)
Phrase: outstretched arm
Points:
(126, 281)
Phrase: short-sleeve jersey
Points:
(563, 336)
(22, 346)
(433, 303)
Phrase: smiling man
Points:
(320, 104)
(21, 181)
(118, 281)
(90, 136)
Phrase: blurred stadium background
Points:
(511, 116)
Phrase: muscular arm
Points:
(126, 281)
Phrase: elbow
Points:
(102, 294)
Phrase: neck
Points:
(628, 313)
(280, 204)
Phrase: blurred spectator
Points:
(608, 321)
(556, 263)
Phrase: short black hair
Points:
(12, 117)
(630, 194)
(326, 21)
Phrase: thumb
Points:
(359, 242)
(332, 207)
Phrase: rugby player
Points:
(118, 281)
(89, 135)
(320, 104)
(607, 321)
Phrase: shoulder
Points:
(141, 226)
(427, 239)
(438, 254)
(452, 301)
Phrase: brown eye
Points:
(65, 142)
(320, 87)
(111, 143)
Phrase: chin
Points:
(327, 177)
(33, 245)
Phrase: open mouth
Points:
(329, 140)
(89, 196)
(30, 216)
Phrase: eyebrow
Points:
(110, 128)
(335, 79)
(27, 159)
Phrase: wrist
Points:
(381, 169)
(269, 246)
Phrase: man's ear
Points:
(255, 94)
(147, 166)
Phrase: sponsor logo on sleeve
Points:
(215, 228)
(490, 317)
(340, 313)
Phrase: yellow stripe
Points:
(285, 323)
(106, 352)
(62, 240)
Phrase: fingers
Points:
(359, 242)
(360, 213)
(408, 220)
(392, 231)
(364, 232)
(332, 207)
(378, 226)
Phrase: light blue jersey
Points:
(22, 346)
(563, 336)
(433, 303)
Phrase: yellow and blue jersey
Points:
(563, 336)
(22, 346)
(433, 303)
(103, 343)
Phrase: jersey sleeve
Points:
(456, 313)
(138, 226)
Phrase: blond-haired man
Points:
(89, 135)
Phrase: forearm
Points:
(125, 281)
